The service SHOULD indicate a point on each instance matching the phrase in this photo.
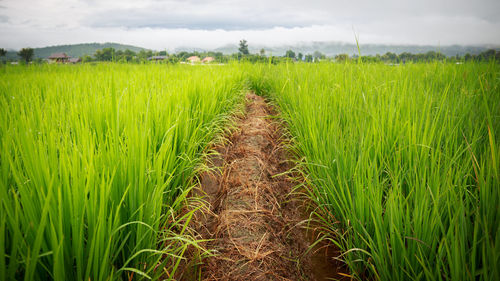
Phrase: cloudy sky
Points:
(167, 24)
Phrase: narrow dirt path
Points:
(252, 222)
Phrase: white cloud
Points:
(168, 24)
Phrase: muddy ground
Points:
(253, 224)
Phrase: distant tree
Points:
(309, 58)
(318, 55)
(390, 57)
(183, 55)
(243, 49)
(440, 56)
(3, 52)
(431, 56)
(98, 55)
(370, 59)
(143, 55)
(300, 56)
(26, 54)
(129, 55)
(290, 54)
(487, 55)
(262, 52)
(173, 59)
(106, 54)
(219, 56)
(118, 56)
(341, 57)
(86, 58)
(405, 56)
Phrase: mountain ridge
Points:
(329, 48)
(74, 50)
(333, 48)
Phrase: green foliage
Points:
(124, 56)
(3, 52)
(243, 48)
(96, 163)
(488, 55)
(26, 54)
(390, 57)
(290, 54)
(87, 58)
(144, 55)
(318, 55)
(341, 57)
(106, 54)
(401, 162)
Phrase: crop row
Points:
(96, 162)
(402, 163)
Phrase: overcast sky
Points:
(167, 24)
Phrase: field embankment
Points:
(253, 222)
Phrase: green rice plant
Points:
(96, 162)
(402, 163)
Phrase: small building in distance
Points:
(193, 59)
(157, 58)
(59, 57)
(74, 60)
(208, 60)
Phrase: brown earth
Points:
(253, 225)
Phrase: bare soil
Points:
(253, 223)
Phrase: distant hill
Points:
(76, 50)
(327, 48)
(335, 48)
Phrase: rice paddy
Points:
(97, 161)
(401, 164)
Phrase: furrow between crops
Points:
(253, 222)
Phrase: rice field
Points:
(401, 164)
(96, 162)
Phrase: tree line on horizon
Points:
(128, 56)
